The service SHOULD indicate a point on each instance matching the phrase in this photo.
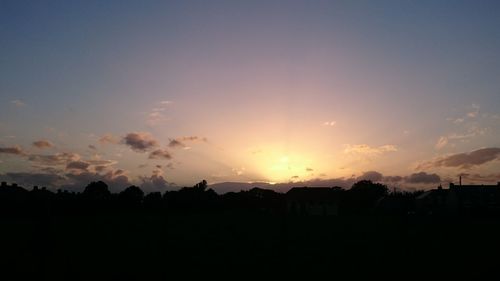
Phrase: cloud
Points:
(109, 139)
(392, 179)
(464, 160)
(116, 181)
(18, 103)
(160, 154)
(309, 169)
(181, 142)
(474, 112)
(31, 179)
(330, 123)
(442, 142)
(156, 117)
(15, 150)
(140, 141)
(478, 178)
(368, 150)
(423, 178)
(102, 162)
(371, 175)
(77, 165)
(155, 182)
(468, 123)
(100, 168)
(42, 144)
(93, 147)
(55, 159)
(472, 132)
(175, 143)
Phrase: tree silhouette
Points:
(363, 195)
(132, 195)
(370, 189)
(97, 191)
(201, 186)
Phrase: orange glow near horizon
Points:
(277, 166)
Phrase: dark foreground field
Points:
(146, 245)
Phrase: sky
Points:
(163, 94)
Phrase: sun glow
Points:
(279, 167)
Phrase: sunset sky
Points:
(162, 94)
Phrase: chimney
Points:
(460, 180)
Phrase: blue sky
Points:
(272, 91)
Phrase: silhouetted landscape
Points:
(249, 139)
(363, 231)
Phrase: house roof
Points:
(432, 192)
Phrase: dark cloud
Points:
(423, 178)
(180, 142)
(346, 183)
(392, 179)
(155, 182)
(42, 144)
(118, 172)
(309, 169)
(100, 168)
(160, 154)
(371, 175)
(93, 147)
(77, 165)
(15, 150)
(55, 159)
(78, 181)
(140, 141)
(30, 179)
(465, 160)
(175, 143)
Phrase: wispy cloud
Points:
(54, 159)
(466, 127)
(472, 131)
(109, 139)
(18, 103)
(365, 149)
(156, 115)
(181, 141)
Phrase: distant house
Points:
(460, 199)
(314, 201)
(432, 202)
(474, 199)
